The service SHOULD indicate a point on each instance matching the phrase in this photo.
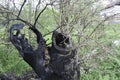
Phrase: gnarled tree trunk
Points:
(58, 62)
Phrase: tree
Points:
(57, 62)
(76, 19)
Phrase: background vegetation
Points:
(95, 40)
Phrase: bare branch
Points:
(51, 31)
(26, 22)
(37, 8)
(14, 4)
(21, 8)
(42, 12)
(99, 24)
(19, 19)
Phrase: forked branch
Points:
(42, 12)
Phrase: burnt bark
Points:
(58, 62)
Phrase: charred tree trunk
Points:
(58, 62)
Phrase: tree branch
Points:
(36, 9)
(42, 12)
(26, 22)
(21, 8)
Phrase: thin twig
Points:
(51, 31)
(14, 5)
(36, 9)
(100, 24)
(19, 19)
(42, 12)
(26, 22)
(21, 8)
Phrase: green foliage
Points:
(104, 66)
(10, 61)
